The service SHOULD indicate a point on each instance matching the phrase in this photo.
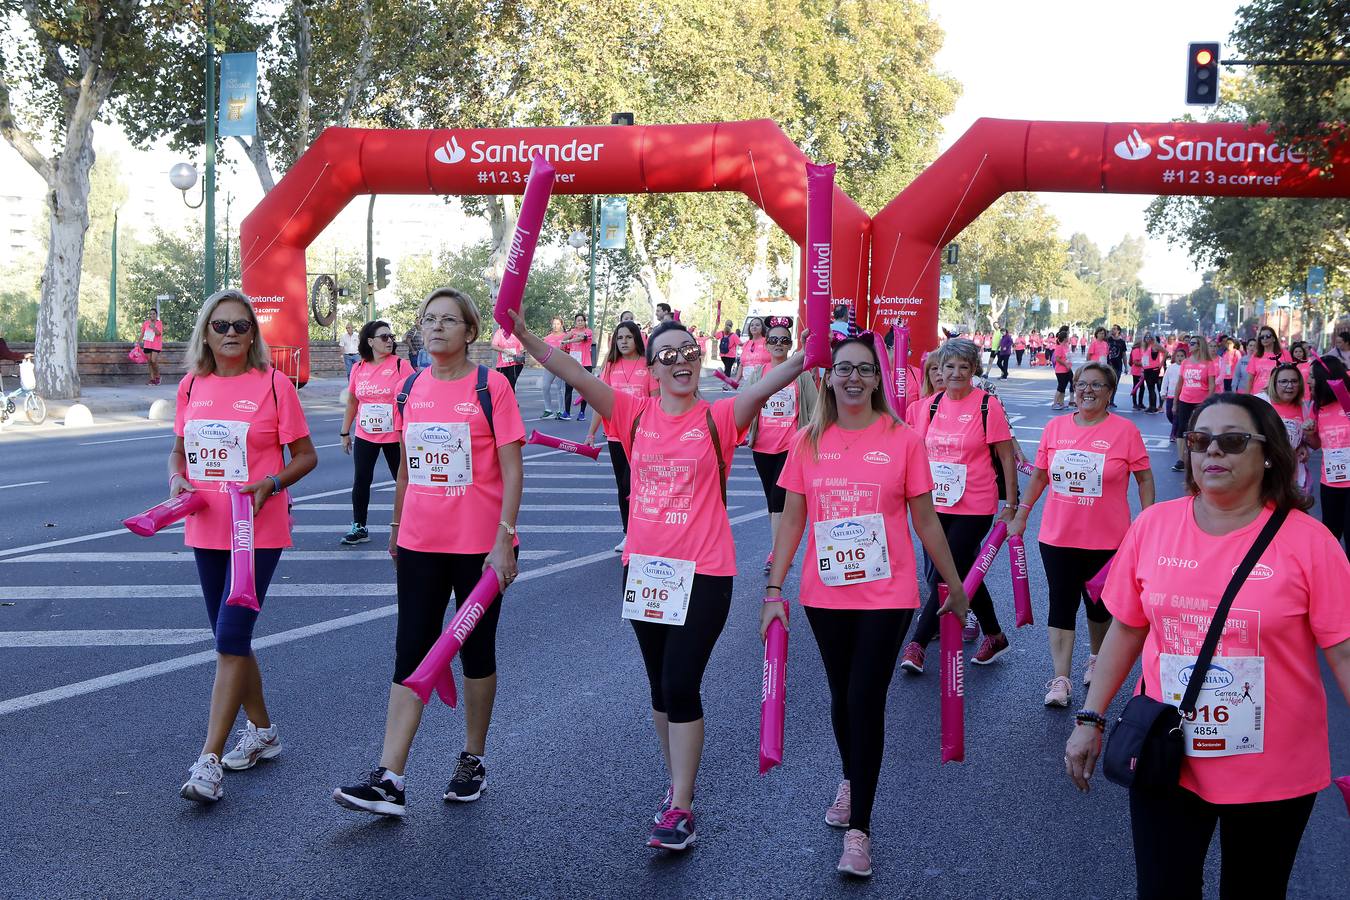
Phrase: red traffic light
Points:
(1204, 58)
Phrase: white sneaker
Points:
(1060, 692)
(618, 548)
(204, 780)
(1091, 667)
(253, 747)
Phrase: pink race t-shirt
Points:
(461, 518)
(581, 348)
(1169, 576)
(1087, 502)
(955, 436)
(508, 348)
(1061, 356)
(733, 341)
(268, 406)
(152, 335)
(755, 352)
(631, 377)
(1136, 367)
(1333, 428)
(778, 421)
(675, 509)
(1228, 361)
(1258, 373)
(1194, 388)
(861, 473)
(1098, 350)
(375, 387)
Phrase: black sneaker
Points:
(469, 780)
(377, 794)
(1178, 466)
(358, 535)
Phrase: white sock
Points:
(395, 778)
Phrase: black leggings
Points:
(965, 536)
(1003, 364)
(770, 466)
(425, 581)
(676, 655)
(859, 648)
(233, 625)
(623, 479)
(1137, 391)
(1173, 829)
(1067, 570)
(728, 363)
(1019, 356)
(567, 398)
(365, 454)
(1181, 417)
(512, 373)
(1336, 513)
(1062, 382)
(1153, 380)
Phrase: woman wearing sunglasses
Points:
(625, 370)
(787, 411)
(1332, 435)
(1264, 360)
(679, 558)
(1256, 750)
(1086, 460)
(851, 478)
(371, 388)
(236, 418)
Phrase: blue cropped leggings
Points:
(233, 625)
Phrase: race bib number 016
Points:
(949, 482)
(216, 450)
(377, 418)
(657, 589)
(852, 551)
(782, 405)
(1077, 473)
(1336, 464)
(1229, 718)
(440, 454)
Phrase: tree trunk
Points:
(760, 280)
(256, 151)
(302, 58)
(58, 322)
(502, 214)
(647, 275)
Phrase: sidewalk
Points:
(104, 400)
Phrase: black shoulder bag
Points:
(1147, 744)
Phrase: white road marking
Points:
(149, 437)
(14, 551)
(4, 487)
(175, 556)
(130, 637)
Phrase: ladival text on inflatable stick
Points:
(1097, 584)
(887, 383)
(243, 590)
(1025, 467)
(819, 249)
(528, 225)
(1017, 556)
(434, 672)
(953, 672)
(985, 560)
(548, 440)
(724, 377)
(165, 514)
(900, 367)
(773, 697)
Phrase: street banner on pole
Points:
(1317, 281)
(986, 298)
(238, 94)
(945, 288)
(613, 223)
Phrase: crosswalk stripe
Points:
(173, 556)
(129, 637)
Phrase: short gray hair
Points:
(960, 348)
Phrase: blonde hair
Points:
(827, 410)
(1201, 350)
(200, 360)
(467, 308)
(930, 365)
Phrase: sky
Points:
(1020, 59)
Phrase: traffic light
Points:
(953, 254)
(1202, 74)
(381, 273)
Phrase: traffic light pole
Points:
(210, 183)
(595, 227)
(370, 260)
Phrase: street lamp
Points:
(184, 177)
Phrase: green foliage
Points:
(19, 300)
(171, 263)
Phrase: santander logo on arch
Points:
(450, 153)
(1133, 147)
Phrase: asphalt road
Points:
(98, 729)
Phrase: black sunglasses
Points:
(668, 355)
(778, 340)
(240, 326)
(1230, 443)
(384, 337)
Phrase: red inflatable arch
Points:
(754, 158)
(898, 249)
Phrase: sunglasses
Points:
(778, 340)
(240, 326)
(864, 370)
(668, 356)
(384, 337)
(1230, 443)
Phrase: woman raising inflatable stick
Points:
(626, 371)
(855, 465)
(680, 558)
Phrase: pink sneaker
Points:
(991, 648)
(1060, 692)
(768, 563)
(841, 809)
(913, 659)
(675, 831)
(857, 855)
(971, 630)
(1091, 667)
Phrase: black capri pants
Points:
(425, 581)
(965, 536)
(770, 466)
(675, 656)
(1181, 417)
(1062, 381)
(365, 454)
(623, 479)
(1336, 513)
(1068, 570)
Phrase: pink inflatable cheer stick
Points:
(1017, 555)
(1344, 784)
(1095, 587)
(773, 698)
(887, 382)
(819, 247)
(953, 673)
(528, 225)
(900, 368)
(548, 440)
(1337, 385)
(722, 376)
(434, 670)
(985, 560)
(165, 514)
(243, 591)
(1026, 468)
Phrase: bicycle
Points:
(34, 407)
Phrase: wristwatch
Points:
(510, 529)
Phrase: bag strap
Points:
(1221, 614)
(402, 397)
(485, 399)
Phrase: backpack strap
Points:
(716, 444)
(932, 410)
(485, 399)
(402, 397)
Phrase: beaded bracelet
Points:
(1088, 717)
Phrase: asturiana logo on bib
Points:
(1077, 458)
(436, 435)
(1260, 572)
(658, 569)
(847, 531)
(693, 434)
(877, 456)
(245, 406)
(214, 431)
(1216, 678)
(466, 408)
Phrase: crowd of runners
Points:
(859, 479)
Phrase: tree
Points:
(58, 71)
(172, 264)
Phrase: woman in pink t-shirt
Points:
(579, 344)
(679, 558)
(727, 342)
(152, 343)
(1086, 460)
(371, 388)
(1063, 371)
(1256, 750)
(510, 355)
(965, 430)
(235, 417)
(1332, 436)
(1264, 360)
(1199, 375)
(754, 353)
(1228, 363)
(455, 508)
(1286, 394)
(1136, 361)
(850, 478)
(771, 434)
(625, 370)
(1298, 355)
(553, 385)
(1099, 348)
(1151, 359)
